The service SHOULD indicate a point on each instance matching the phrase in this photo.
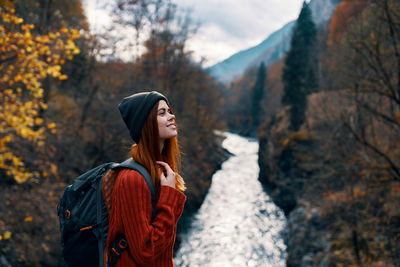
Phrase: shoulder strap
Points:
(133, 165)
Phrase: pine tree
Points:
(299, 75)
(257, 93)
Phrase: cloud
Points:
(228, 26)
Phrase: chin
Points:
(173, 135)
(169, 135)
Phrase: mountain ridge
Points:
(270, 49)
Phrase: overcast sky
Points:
(226, 26)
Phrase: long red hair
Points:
(147, 151)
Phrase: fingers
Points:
(166, 167)
(167, 177)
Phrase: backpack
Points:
(84, 219)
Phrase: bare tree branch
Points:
(361, 140)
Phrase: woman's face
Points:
(165, 121)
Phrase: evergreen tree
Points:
(299, 74)
(256, 95)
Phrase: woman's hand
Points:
(167, 176)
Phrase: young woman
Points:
(152, 126)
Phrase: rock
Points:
(4, 262)
(285, 199)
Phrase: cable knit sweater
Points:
(149, 244)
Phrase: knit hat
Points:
(135, 109)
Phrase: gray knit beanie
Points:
(135, 109)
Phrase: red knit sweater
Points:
(149, 244)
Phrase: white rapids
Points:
(238, 224)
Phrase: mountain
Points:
(272, 48)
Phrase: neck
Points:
(161, 145)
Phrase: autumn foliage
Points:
(27, 59)
(338, 177)
(59, 115)
(344, 13)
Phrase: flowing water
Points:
(238, 224)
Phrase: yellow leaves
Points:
(16, 161)
(75, 34)
(5, 139)
(21, 177)
(63, 77)
(76, 51)
(43, 105)
(54, 71)
(24, 132)
(38, 93)
(38, 121)
(52, 36)
(27, 27)
(18, 77)
(42, 39)
(18, 21)
(22, 96)
(64, 30)
(7, 235)
(53, 168)
(51, 125)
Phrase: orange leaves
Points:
(340, 196)
(397, 115)
(395, 192)
(344, 13)
(358, 192)
(296, 136)
(26, 59)
(343, 196)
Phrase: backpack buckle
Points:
(122, 243)
(115, 249)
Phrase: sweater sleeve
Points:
(147, 240)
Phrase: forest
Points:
(59, 118)
(327, 117)
(330, 135)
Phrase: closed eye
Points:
(161, 111)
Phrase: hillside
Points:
(271, 49)
(337, 178)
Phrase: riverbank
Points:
(338, 213)
(198, 172)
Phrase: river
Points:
(237, 224)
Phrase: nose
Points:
(171, 117)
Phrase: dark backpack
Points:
(84, 219)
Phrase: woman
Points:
(152, 126)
